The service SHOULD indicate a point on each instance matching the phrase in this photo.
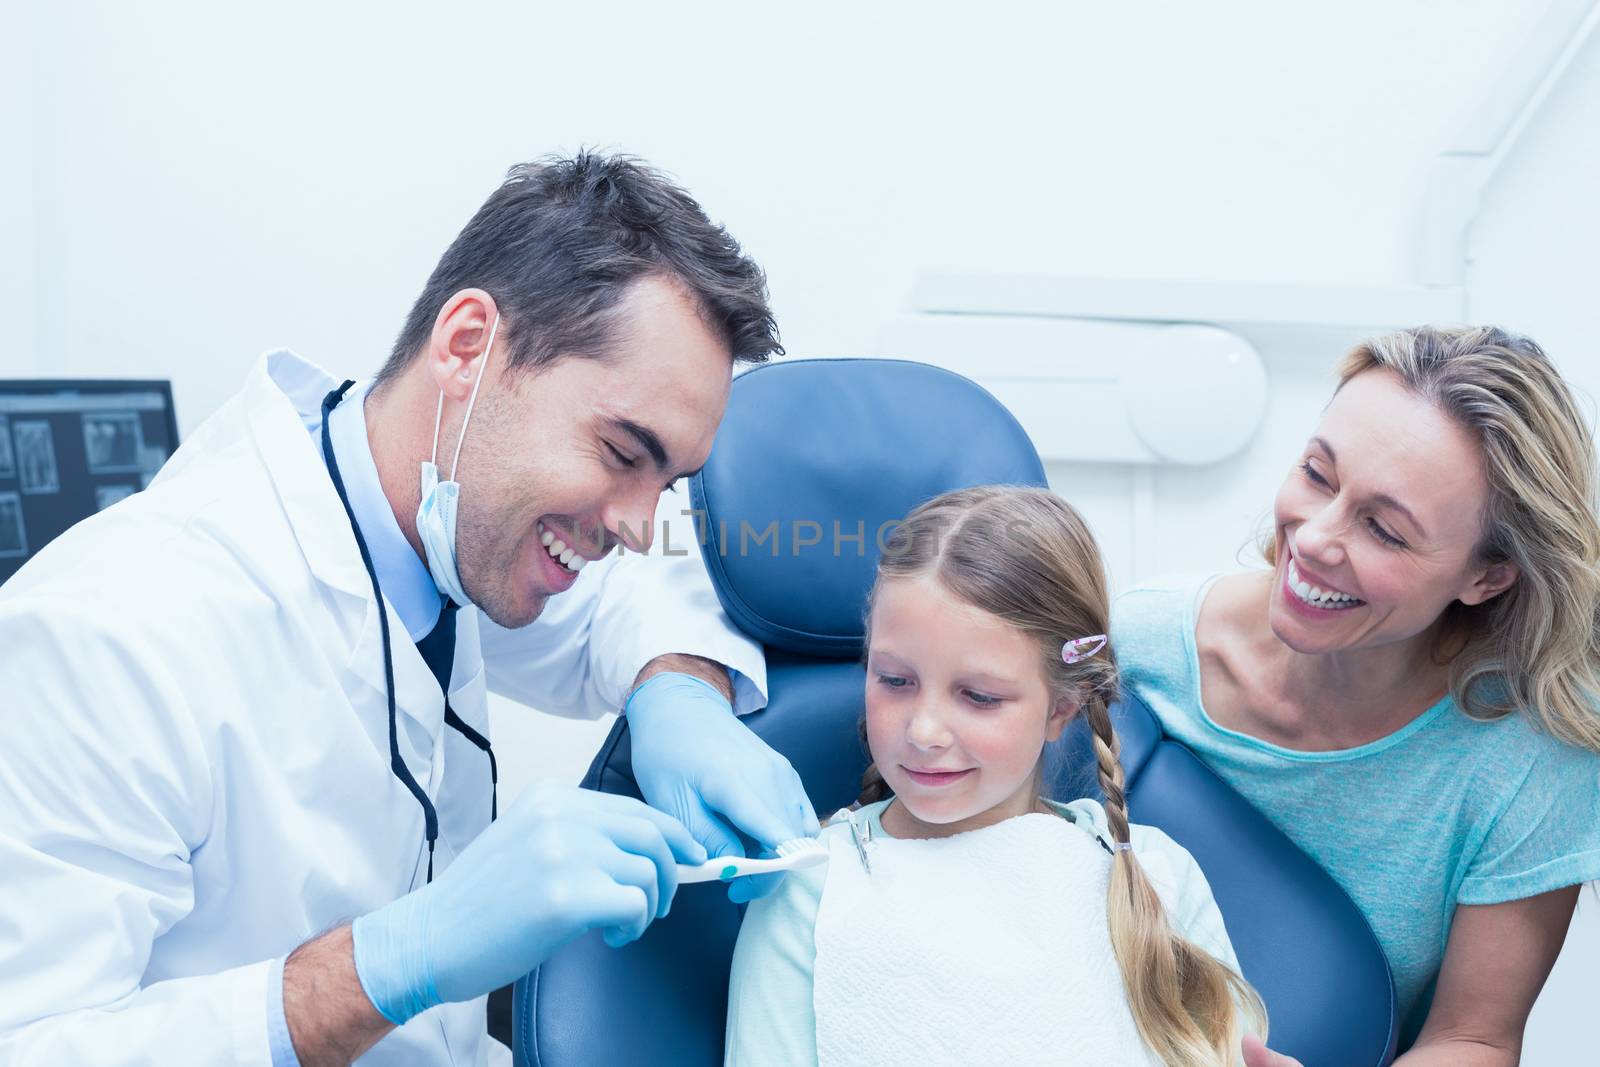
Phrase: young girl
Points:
(961, 918)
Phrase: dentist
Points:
(248, 705)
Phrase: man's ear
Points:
(1494, 580)
(459, 342)
(1063, 712)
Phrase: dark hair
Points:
(562, 240)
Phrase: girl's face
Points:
(1377, 526)
(958, 709)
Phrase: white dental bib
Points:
(989, 947)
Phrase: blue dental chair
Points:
(831, 451)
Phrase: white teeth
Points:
(560, 551)
(1318, 597)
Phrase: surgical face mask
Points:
(436, 515)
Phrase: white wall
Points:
(218, 179)
(17, 204)
(197, 182)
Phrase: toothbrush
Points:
(792, 855)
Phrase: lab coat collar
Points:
(284, 396)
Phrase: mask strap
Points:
(471, 400)
(438, 414)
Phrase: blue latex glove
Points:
(695, 760)
(558, 862)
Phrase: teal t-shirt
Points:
(1446, 810)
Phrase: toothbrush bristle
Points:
(799, 844)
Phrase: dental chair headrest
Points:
(790, 542)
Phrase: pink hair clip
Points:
(1080, 648)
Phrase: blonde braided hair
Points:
(1026, 556)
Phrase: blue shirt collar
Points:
(401, 572)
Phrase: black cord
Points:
(430, 817)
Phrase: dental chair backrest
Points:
(812, 459)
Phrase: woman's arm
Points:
(1495, 963)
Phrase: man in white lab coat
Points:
(247, 706)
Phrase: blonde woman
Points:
(1410, 691)
(978, 923)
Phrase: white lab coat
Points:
(194, 755)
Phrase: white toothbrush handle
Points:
(716, 870)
